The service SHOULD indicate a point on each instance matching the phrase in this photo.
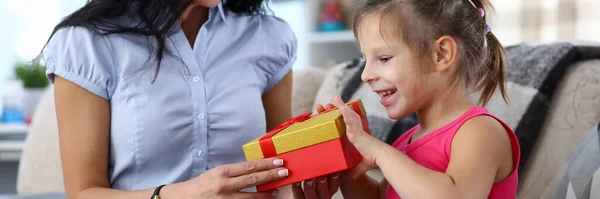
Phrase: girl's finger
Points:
(353, 120)
(329, 106)
(297, 191)
(323, 188)
(309, 189)
(320, 108)
(334, 183)
(337, 101)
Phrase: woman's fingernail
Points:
(275, 192)
(282, 172)
(278, 162)
(309, 183)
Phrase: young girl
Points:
(426, 56)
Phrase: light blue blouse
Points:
(203, 106)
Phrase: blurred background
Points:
(321, 26)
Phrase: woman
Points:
(165, 92)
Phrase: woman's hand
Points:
(227, 181)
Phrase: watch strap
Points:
(156, 193)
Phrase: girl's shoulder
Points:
(479, 118)
(480, 126)
(485, 135)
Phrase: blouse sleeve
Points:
(281, 52)
(82, 57)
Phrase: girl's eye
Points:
(384, 59)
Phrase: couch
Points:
(573, 112)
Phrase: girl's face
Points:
(393, 71)
(207, 3)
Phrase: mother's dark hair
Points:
(153, 18)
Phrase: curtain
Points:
(517, 21)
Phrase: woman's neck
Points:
(442, 110)
(191, 20)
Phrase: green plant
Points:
(33, 75)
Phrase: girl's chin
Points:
(394, 112)
(398, 111)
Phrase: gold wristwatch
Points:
(156, 193)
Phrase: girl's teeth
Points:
(386, 93)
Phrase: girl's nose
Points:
(368, 74)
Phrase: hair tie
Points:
(481, 12)
(471, 1)
(488, 28)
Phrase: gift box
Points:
(310, 146)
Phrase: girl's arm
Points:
(478, 151)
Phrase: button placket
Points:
(195, 79)
(201, 89)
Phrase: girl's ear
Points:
(445, 51)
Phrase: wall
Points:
(293, 12)
(26, 25)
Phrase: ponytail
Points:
(495, 70)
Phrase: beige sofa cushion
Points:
(574, 110)
(580, 177)
(306, 84)
(40, 168)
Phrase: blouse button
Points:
(196, 79)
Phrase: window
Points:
(293, 12)
(517, 21)
(27, 24)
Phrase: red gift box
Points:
(310, 146)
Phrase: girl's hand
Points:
(227, 181)
(323, 187)
(368, 146)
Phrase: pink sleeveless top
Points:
(433, 151)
